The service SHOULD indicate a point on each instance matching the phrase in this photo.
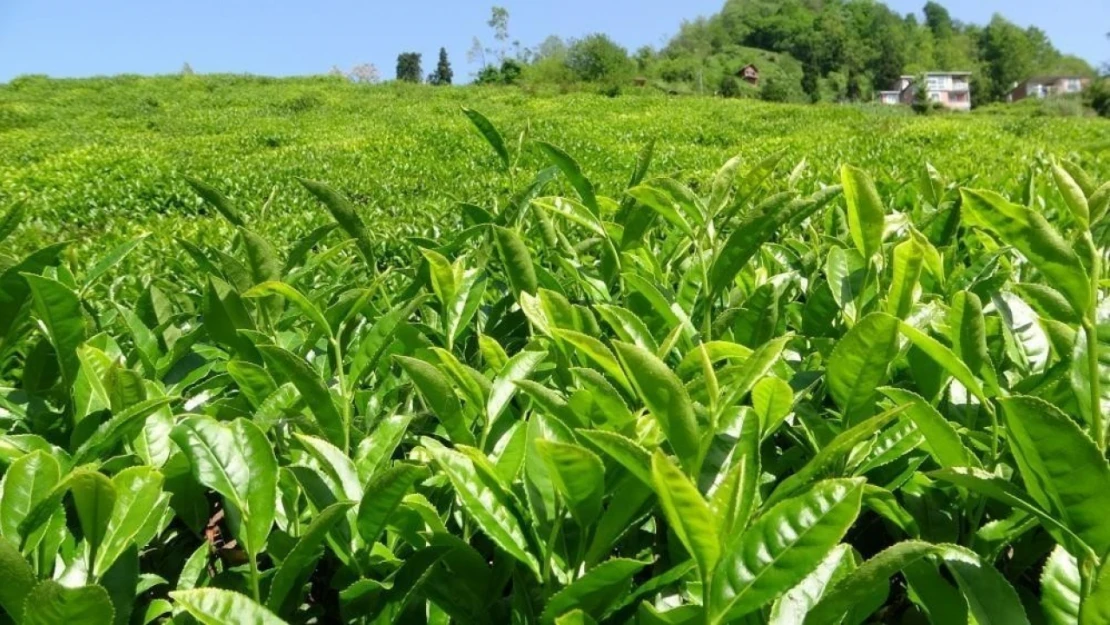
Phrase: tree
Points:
(890, 43)
(551, 48)
(365, 73)
(773, 91)
(187, 70)
(597, 58)
(499, 22)
(1098, 96)
(489, 73)
(644, 57)
(408, 67)
(476, 53)
(938, 20)
(730, 87)
(1106, 65)
(921, 103)
(443, 74)
(1009, 55)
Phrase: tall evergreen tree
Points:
(443, 74)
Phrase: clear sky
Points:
(283, 37)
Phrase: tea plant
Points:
(772, 398)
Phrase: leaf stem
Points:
(1090, 330)
(1098, 423)
(254, 578)
(556, 527)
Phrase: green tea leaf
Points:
(60, 311)
(665, 397)
(236, 461)
(217, 200)
(866, 214)
(1062, 468)
(516, 259)
(489, 133)
(11, 219)
(628, 453)
(504, 386)
(1061, 592)
(50, 603)
(17, 579)
(945, 358)
(296, 566)
(578, 475)
(942, 441)
(573, 172)
(687, 513)
(909, 258)
(436, 390)
(215, 606)
(94, 497)
(383, 495)
(1074, 197)
(485, 502)
(344, 214)
(272, 287)
(594, 592)
(859, 362)
(1031, 234)
(26, 483)
(876, 572)
(137, 491)
(735, 498)
(1096, 607)
(289, 366)
(782, 547)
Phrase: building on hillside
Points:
(951, 90)
(894, 94)
(749, 74)
(1045, 86)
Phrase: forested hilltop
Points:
(806, 51)
(847, 49)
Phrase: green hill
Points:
(780, 69)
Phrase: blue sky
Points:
(282, 37)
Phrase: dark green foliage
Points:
(443, 74)
(408, 67)
(850, 49)
(730, 87)
(773, 91)
(508, 73)
(598, 59)
(1098, 96)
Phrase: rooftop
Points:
(1052, 78)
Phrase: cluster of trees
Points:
(409, 69)
(806, 50)
(595, 59)
(849, 49)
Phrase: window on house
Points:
(936, 82)
(1074, 85)
(934, 96)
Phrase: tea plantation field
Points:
(109, 156)
(301, 351)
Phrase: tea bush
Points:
(510, 381)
